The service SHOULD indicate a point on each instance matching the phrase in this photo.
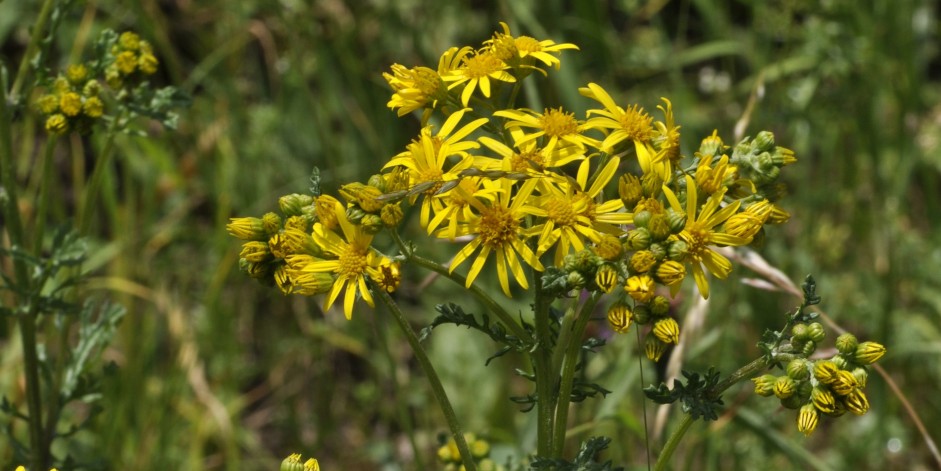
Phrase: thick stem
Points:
(569, 364)
(436, 387)
(546, 379)
(741, 374)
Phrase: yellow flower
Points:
(699, 233)
(414, 88)
(640, 288)
(572, 213)
(355, 260)
(148, 63)
(528, 157)
(869, 352)
(625, 124)
(126, 62)
(713, 178)
(516, 50)
(427, 158)
(57, 124)
(477, 71)
(667, 330)
(823, 399)
(93, 107)
(856, 402)
(497, 229)
(606, 278)
(667, 135)
(70, 103)
(654, 347)
(560, 127)
(671, 273)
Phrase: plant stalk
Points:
(546, 380)
(436, 387)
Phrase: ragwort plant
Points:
(572, 212)
(62, 329)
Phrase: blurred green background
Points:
(217, 372)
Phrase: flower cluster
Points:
(132, 58)
(295, 462)
(449, 455)
(73, 103)
(597, 204)
(827, 387)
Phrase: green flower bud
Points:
(372, 223)
(798, 369)
(658, 250)
(355, 214)
(660, 306)
(641, 218)
(676, 220)
(839, 408)
(869, 352)
(782, 156)
(256, 251)
(637, 239)
(793, 402)
(667, 330)
(678, 250)
(764, 141)
(784, 387)
(391, 214)
(846, 343)
(764, 385)
(839, 361)
(619, 316)
(809, 348)
(292, 205)
(816, 332)
(247, 228)
(377, 181)
(642, 314)
(487, 464)
(659, 227)
(807, 419)
(861, 376)
(575, 280)
(292, 463)
(799, 332)
(671, 272)
(608, 247)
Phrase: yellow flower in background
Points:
(477, 71)
(558, 126)
(700, 233)
(497, 227)
(520, 51)
(455, 206)
(355, 260)
(415, 88)
(632, 124)
(667, 135)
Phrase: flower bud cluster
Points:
(295, 462)
(825, 387)
(73, 103)
(450, 457)
(132, 59)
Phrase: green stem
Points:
(34, 39)
(742, 373)
(545, 379)
(14, 229)
(436, 387)
(482, 296)
(45, 187)
(97, 176)
(570, 361)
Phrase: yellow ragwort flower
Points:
(620, 316)
(497, 227)
(641, 288)
(520, 51)
(700, 233)
(630, 124)
(477, 71)
(807, 419)
(560, 128)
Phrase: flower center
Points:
(557, 123)
(431, 175)
(560, 211)
(523, 162)
(636, 123)
(498, 226)
(352, 262)
(467, 187)
(482, 65)
(696, 236)
(527, 44)
(426, 80)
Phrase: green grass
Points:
(216, 372)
